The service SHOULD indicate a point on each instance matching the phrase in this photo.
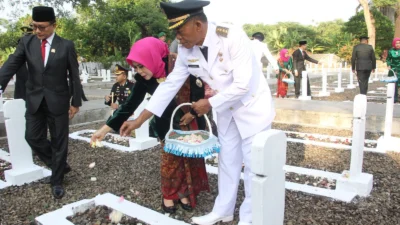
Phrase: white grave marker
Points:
(339, 89)
(268, 185)
(351, 82)
(376, 75)
(23, 169)
(108, 75)
(387, 142)
(355, 180)
(304, 87)
(104, 75)
(324, 91)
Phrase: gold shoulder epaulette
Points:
(222, 31)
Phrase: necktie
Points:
(204, 50)
(44, 41)
(302, 53)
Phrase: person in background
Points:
(162, 36)
(261, 49)
(363, 62)
(393, 63)
(285, 67)
(121, 90)
(299, 56)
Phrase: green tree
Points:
(384, 29)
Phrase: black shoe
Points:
(186, 207)
(168, 209)
(47, 180)
(57, 191)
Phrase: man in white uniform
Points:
(222, 57)
(261, 49)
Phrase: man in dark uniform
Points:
(299, 56)
(363, 61)
(22, 73)
(50, 59)
(121, 89)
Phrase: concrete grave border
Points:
(125, 207)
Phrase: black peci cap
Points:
(43, 14)
(364, 38)
(302, 43)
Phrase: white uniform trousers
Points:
(234, 151)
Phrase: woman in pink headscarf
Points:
(285, 66)
(393, 62)
(182, 179)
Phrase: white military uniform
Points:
(243, 104)
(261, 49)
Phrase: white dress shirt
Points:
(260, 49)
(48, 47)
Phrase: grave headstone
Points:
(99, 73)
(387, 142)
(351, 82)
(324, 91)
(355, 180)
(339, 88)
(304, 87)
(108, 75)
(268, 185)
(23, 169)
(104, 75)
(143, 139)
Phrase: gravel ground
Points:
(4, 166)
(136, 176)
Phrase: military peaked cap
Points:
(120, 69)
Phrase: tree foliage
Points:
(384, 29)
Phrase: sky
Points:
(240, 12)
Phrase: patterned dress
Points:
(282, 87)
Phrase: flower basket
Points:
(191, 144)
(288, 80)
(389, 79)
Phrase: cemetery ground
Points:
(136, 176)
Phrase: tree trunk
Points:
(370, 21)
(397, 24)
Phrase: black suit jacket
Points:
(50, 81)
(363, 57)
(298, 61)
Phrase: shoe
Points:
(184, 206)
(58, 191)
(211, 219)
(168, 209)
(243, 223)
(47, 180)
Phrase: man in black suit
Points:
(363, 62)
(50, 60)
(298, 67)
(22, 73)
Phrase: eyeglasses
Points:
(41, 28)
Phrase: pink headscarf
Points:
(283, 53)
(149, 52)
(394, 42)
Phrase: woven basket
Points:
(391, 79)
(207, 147)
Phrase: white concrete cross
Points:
(387, 142)
(130, 75)
(324, 91)
(304, 86)
(339, 88)
(355, 180)
(104, 75)
(351, 82)
(23, 169)
(268, 185)
(108, 75)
